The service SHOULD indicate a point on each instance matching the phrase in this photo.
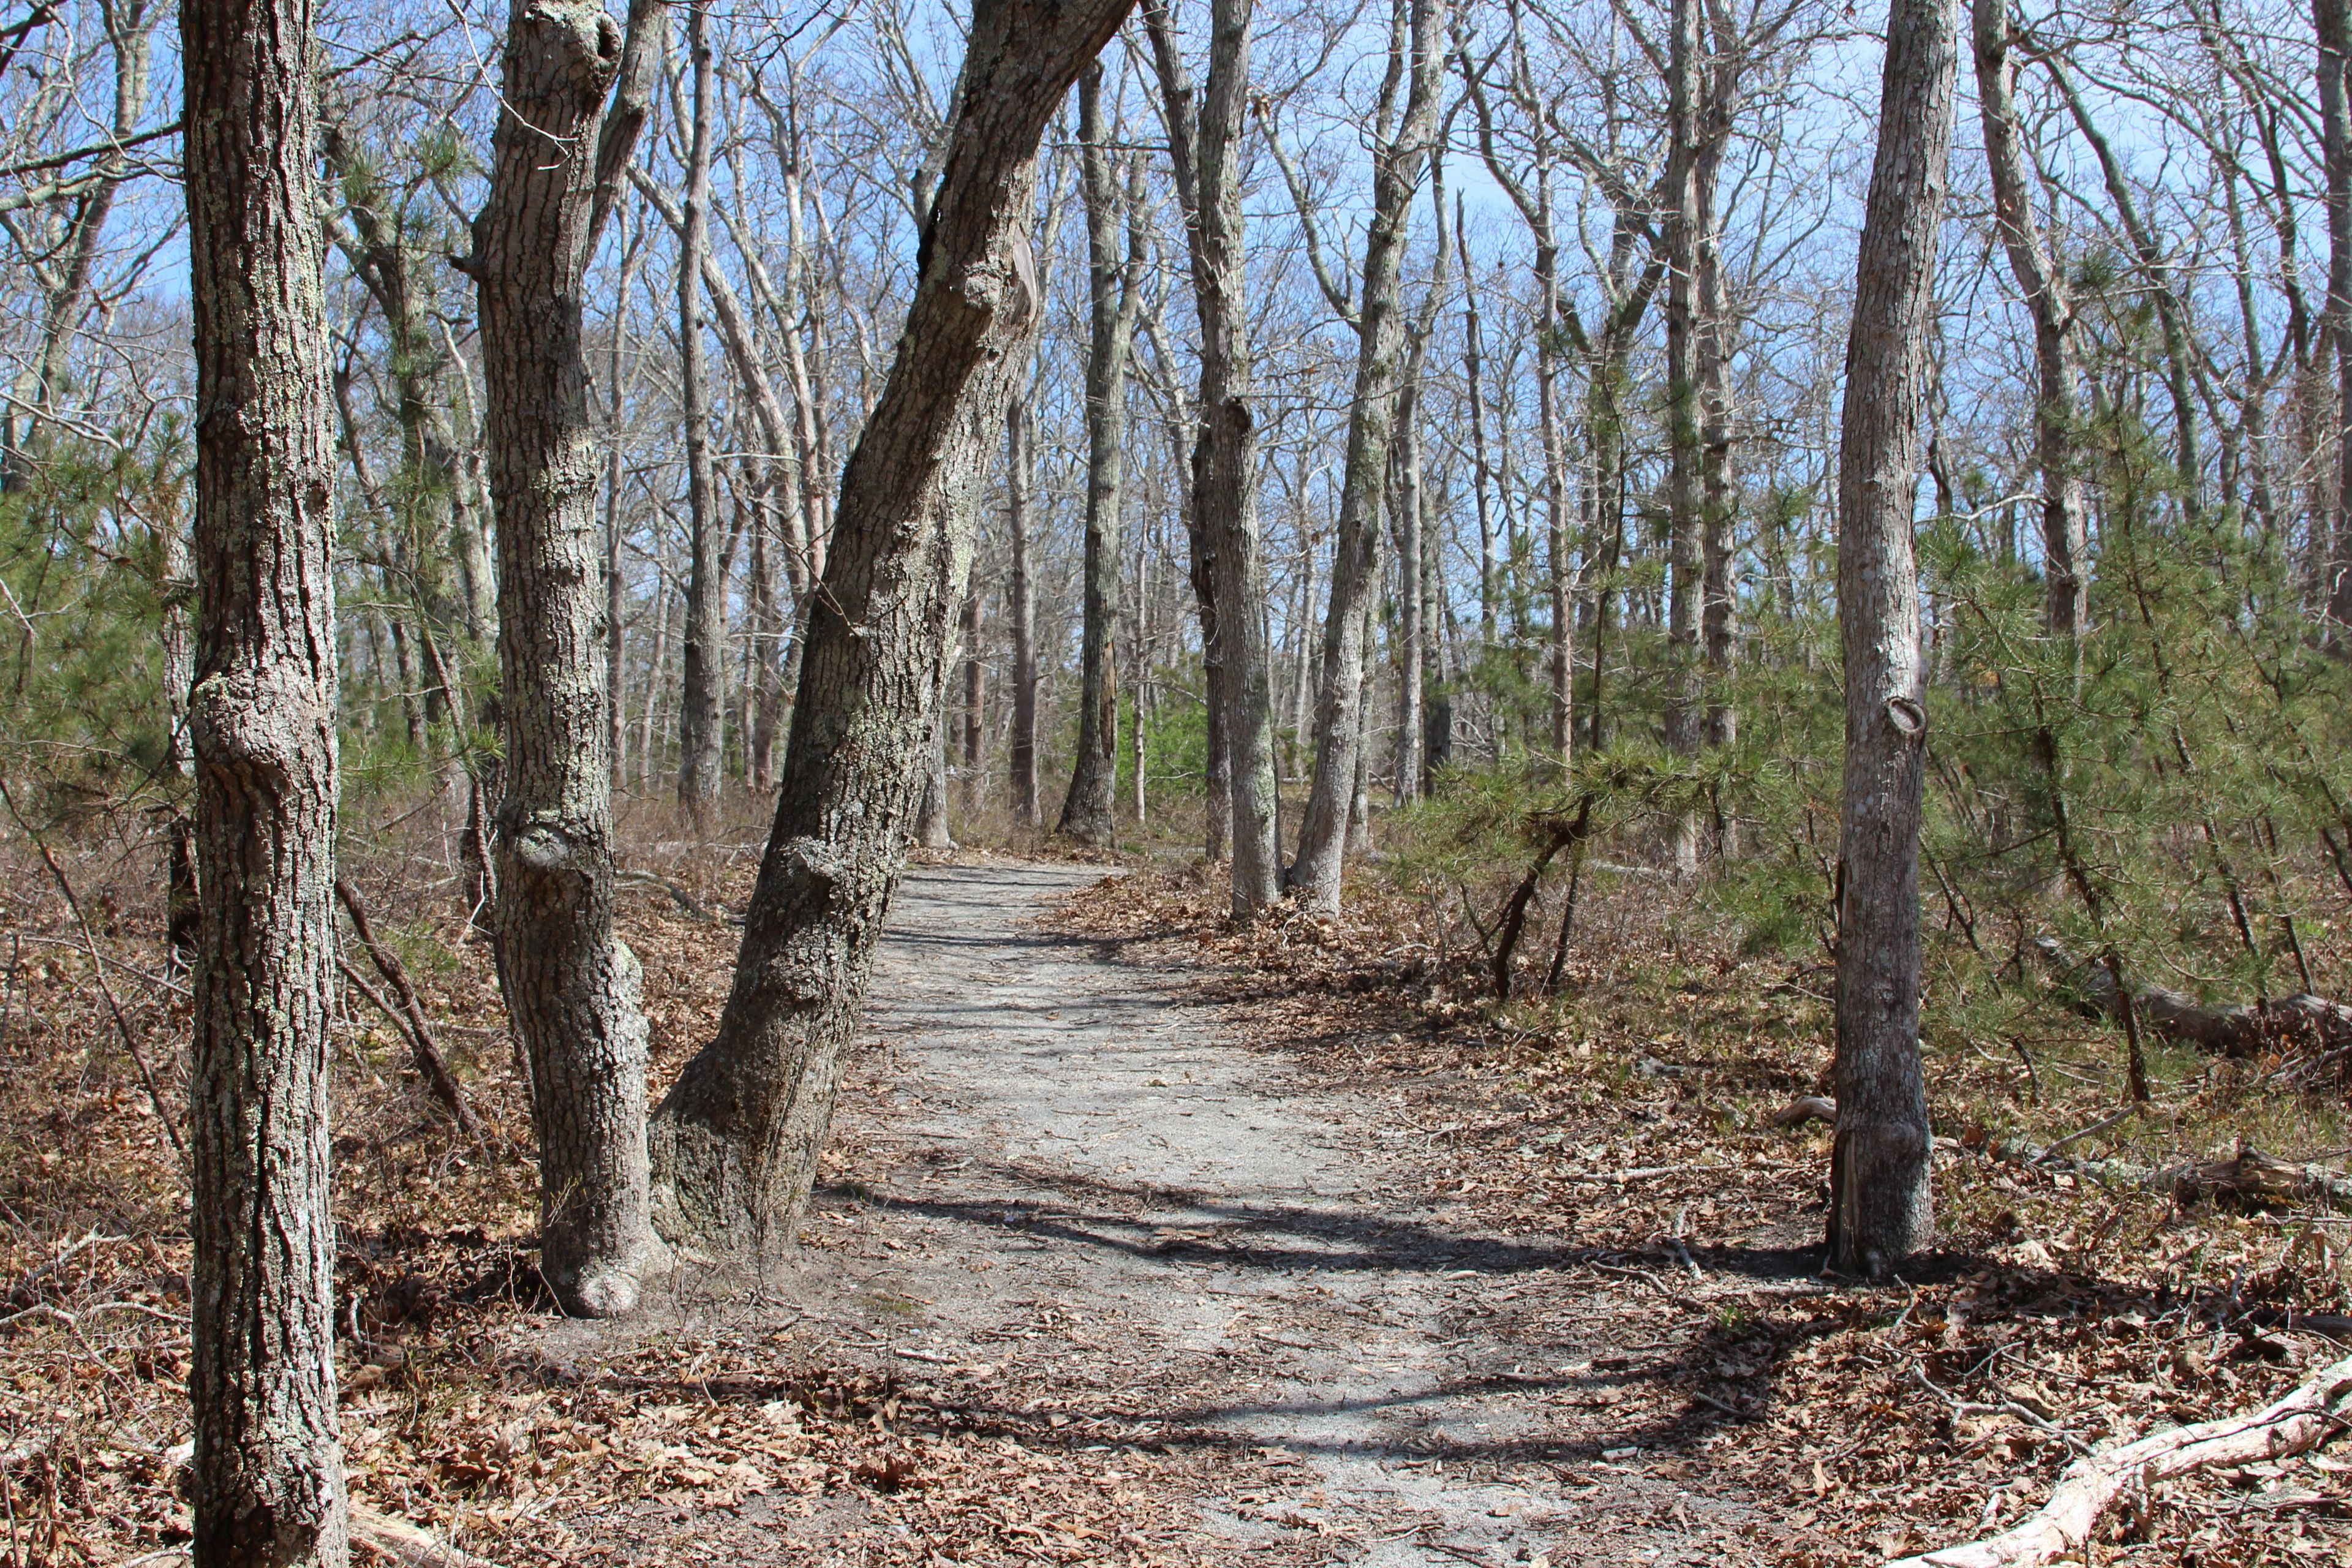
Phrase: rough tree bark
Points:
(1114, 298)
(268, 1478)
(1339, 721)
(737, 1139)
(1879, 1207)
(571, 988)
(2065, 599)
(701, 729)
(1205, 134)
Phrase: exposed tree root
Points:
(2302, 1420)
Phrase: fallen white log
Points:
(406, 1544)
(2304, 1419)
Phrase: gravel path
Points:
(1072, 1186)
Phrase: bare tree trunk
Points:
(701, 725)
(615, 585)
(1022, 614)
(975, 689)
(571, 987)
(1206, 135)
(1114, 295)
(1683, 329)
(1339, 728)
(765, 646)
(1482, 471)
(2064, 548)
(268, 1478)
(1879, 1206)
(1412, 604)
(737, 1139)
(1718, 598)
(2332, 22)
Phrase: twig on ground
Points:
(2126, 1114)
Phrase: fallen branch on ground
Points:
(2240, 1030)
(403, 1543)
(2302, 1420)
(1803, 1109)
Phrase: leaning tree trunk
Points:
(2065, 599)
(571, 988)
(737, 1141)
(1207, 137)
(1114, 296)
(701, 730)
(268, 1478)
(1339, 726)
(1879, 1209)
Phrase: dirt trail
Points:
(1085, 1189)
(1071, 1198)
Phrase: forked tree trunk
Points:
(571, 988)
(1206, 138)
(269, 1477)
(1115, 296)
(737, 1141)
(2065, 547)
(1879, 1209)
(701, 729)
(1323, 838)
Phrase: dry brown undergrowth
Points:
(681, 1441)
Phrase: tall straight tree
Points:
(1114, 299)
(571, 988)
(1205, 141)
(1021, 616)
(701, 729)
(737, 1141)
(1417, 61)
(1879, 1207)
(2332, 19)
(2065, 598)
(268, 1478)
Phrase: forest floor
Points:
(1142, 1240)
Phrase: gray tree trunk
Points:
(975, 690)
(1114, 298)
(1339, 728)
(1206, 137)
(268, 1480)
(1022, 614)
(1413, 608)
(616, 584)
(737, 1139)
(571, 988)
(2332, 22)
(701, 729)
(2064, 549)
(1879, 1207)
